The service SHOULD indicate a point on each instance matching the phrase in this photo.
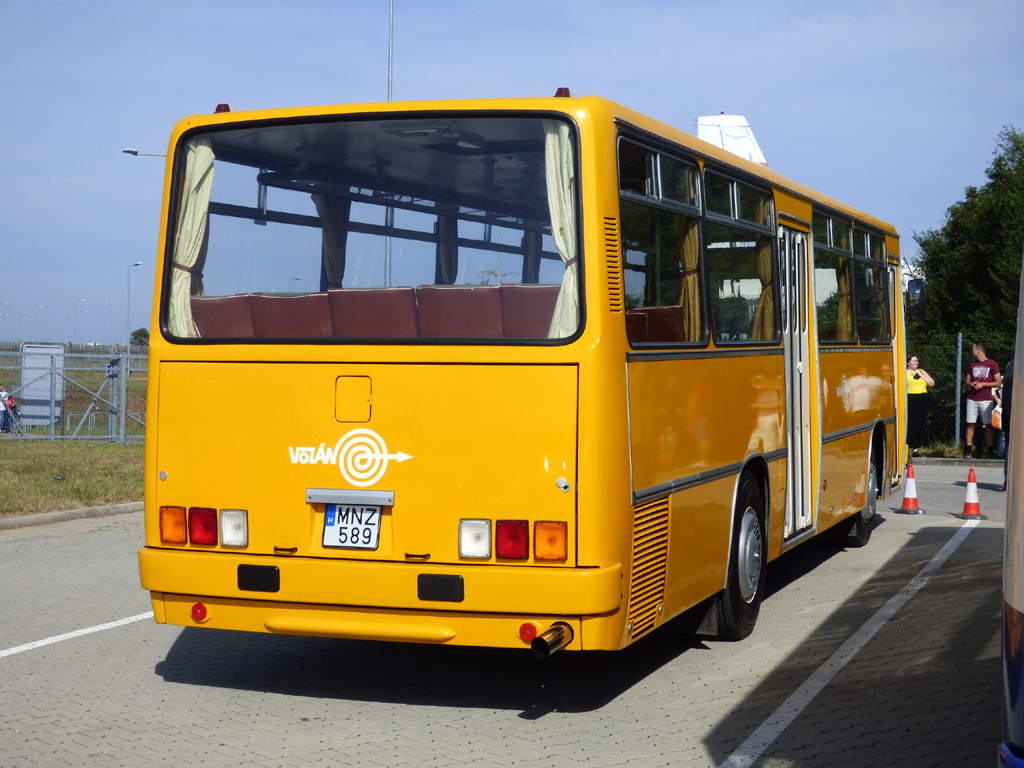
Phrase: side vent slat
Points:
(650, 558)
(613, 263)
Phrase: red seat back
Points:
(526, 310)
(374, 313)
(298, 317)
(223, 317)
(460, 312)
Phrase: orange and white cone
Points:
(972, 509)
(910, 495)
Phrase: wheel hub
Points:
(749, 555)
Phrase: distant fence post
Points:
(956, 384)
(122, 412)
(53, 396)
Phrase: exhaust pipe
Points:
(556, 638)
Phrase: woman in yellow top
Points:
(918, 382)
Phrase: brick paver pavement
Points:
(924, 691)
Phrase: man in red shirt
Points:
(982, 377)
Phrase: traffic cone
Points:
(910, 495)
(972, 509)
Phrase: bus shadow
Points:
(454, 676)
(927, 684)
(414, 674)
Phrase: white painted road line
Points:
(755, 745)
(76, 633)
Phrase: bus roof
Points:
(578, 107)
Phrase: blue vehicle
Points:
(1011, 751)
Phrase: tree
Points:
(972, 264)
(140, 337)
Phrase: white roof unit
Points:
(731, 133)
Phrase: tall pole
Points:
(128, 310)
(391, 42)
(389, 213)
(127, 367)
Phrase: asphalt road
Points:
(854, 662)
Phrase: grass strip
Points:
(48, 476)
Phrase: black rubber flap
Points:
(448, 589)
(259, 578)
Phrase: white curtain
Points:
(559, 172)
(190, 235)
(334, 213)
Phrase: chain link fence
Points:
(946, 358)
(68, 392)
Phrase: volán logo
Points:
(361, 456)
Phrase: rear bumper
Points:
(490, 589)
(393, 625)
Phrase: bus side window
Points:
(833, 281)
(661, 260)
(741, 284)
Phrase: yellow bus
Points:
(534, 373)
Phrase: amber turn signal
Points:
(550, 540)
(173, 529)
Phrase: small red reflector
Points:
(202, 525)
(222, 108)
(512, 541)
(198, 611)
(527, 632)
(563, 93)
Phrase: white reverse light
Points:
(475, 538)
(234, 528)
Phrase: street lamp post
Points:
(292, 281)
(136, 153)
(110, 319)
(128, 308)
(40, 318)
(74, 328)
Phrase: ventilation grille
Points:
(613, 263)
(650, 556)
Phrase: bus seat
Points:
(373, 313)
(223, 317)
(303, 316)
(636, 326)
(460, 312)
(659, 324)
(526, 310)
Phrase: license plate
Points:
(351, 526)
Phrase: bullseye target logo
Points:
(361, 455)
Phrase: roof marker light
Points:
(222, 108)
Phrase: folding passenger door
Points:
(795, 320)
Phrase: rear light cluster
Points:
(512, 539)
(199, 525)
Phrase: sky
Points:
(892, 107)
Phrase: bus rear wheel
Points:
(856, 531)
(740, 603)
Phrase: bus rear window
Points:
(414, 228)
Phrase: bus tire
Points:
(740, 603)
(856, 531)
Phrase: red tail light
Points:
(202, 525)
(512, 541)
